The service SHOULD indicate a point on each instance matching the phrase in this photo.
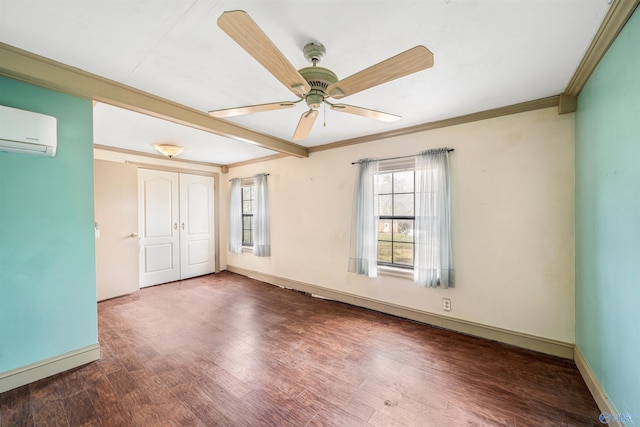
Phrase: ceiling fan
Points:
(314, 84)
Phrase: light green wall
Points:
(608, 221)
(47, 253)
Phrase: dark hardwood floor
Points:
(227, 350)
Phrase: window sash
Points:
(393, 248)
(247, 230)
(395, 242)
(247, 200)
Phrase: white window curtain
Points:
(261, 218)
(433, 265)
(363, 256)
(235, 217)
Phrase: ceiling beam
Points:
(617, 16)
(155, 156)
(258, 160)
(31, 68)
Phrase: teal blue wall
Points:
(608, 221)
(47, 247)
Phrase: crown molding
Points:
(616, 18)
(522, 107)
(567, 104)
(31, 68)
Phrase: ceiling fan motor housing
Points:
(314, 52)
(319, 78)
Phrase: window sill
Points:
(400, 273)
(247, 249)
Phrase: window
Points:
(402, 217)
(247, 214)
(395, 198)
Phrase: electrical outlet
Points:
(446, 304)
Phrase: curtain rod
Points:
(247, 177)
(399, 157)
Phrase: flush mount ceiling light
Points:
(168, 150)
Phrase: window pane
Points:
(246, 222)
(385, 205)
(403, 182)
(384, 251)
(403, 230)
(403, 253)
(384, 229)
(247, 207)
(246, 238)
(383, 183)
(403, 204)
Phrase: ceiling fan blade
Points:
(305, 124)
(413, 60)
(241, 28)
(365, 112)
(249, 109)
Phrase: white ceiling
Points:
(487, 54)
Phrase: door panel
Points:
(198, 252)
(158, 257)
(196, 228)
(116, 210)
(159, 234)
(159, 214)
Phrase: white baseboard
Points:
(598, 393)
(48, 367)
(531, 342)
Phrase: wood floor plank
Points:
(122, 382)
(227, 350)
(15, 408)
(325, 394)
(50, 414)
(278, 412)
(199, 401)
(331, 411)
(80, 410)
(108, 407)
(44, 391)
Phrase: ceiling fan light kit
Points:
(315, 84)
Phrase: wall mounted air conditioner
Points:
(27, 132)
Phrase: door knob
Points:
(133, 235)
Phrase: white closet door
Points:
(196, 225)
(159, 227)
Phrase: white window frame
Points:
(389, 166)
